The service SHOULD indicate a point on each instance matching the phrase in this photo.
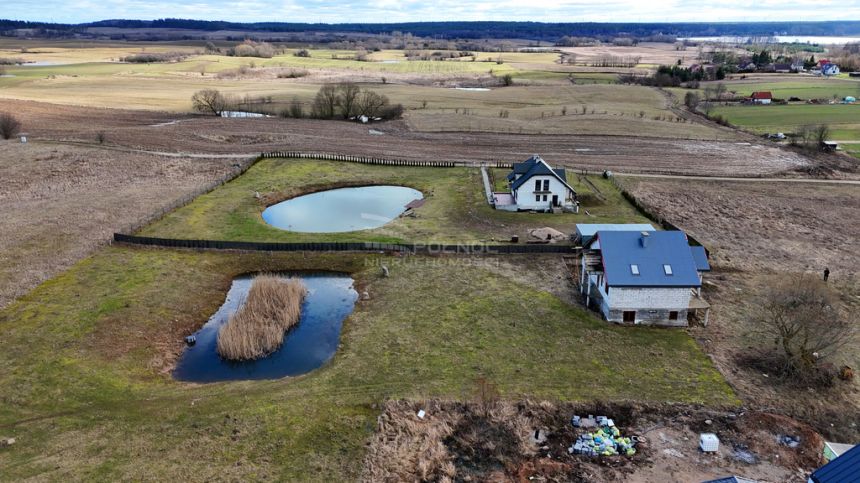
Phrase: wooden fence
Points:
(430, 248)
(383, 161)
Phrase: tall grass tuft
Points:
(257, 329)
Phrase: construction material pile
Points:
(605, 440)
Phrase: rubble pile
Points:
(604, 440)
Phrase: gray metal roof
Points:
(589, 229)
(620, 250)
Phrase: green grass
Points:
(803, 88)
(844, 119)
(456, 209)
(83, 393)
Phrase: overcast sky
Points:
(383, 11)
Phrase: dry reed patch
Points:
(257, 329)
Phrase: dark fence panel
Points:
(475, 249)
(379, 161)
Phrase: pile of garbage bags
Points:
(605, 440)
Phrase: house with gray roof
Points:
(644, 277)
(536, 186)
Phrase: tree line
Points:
(345, 100)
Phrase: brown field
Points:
(61, 202)
(195, 134)
(757, 231)
(763, 226)
(649, 53)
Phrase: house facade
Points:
(760, 97)
(648, 278)
(535, 185)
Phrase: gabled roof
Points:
(536, 166)
(761, 95)
(621, 249)
(700, 256)
(844, 469)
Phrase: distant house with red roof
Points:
(760, 97)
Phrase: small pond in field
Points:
(307, 346)
(342, 209)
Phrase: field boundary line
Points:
(414, 248)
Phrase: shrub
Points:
(9, 125)
(302, 53)
(250, 48)
(151, 58)
(507, 80)
(257, 329)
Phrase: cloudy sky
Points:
(338, 11)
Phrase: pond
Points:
(342, 209)
(310, 344)
(241, 114)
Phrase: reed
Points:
(257, 329)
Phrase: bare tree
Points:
(209, 100)
(821, 134)
(803, 318)
(348, 99)
(326, 102)
(9, 125)
(719, 91)
(296, 109)
(371, 104)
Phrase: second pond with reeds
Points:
(308, 345)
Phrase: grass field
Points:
(456, 209)
(84, 392)
(843, 119)
(542, 101)
(801, 86)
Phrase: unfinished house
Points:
(644, 277)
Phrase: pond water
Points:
(310, 344)
(232, 114)
(342, 209)
(473, 89)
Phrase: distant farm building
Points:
(782, 68)
(644, 277)
(830, 69)
(760, 97)
(535, 186)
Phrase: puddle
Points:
(391, 61)
(310, 344)
(375, 132)
(472, 89)
(342, 209)
(240, 114)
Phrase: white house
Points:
(534, 185)
(830, 69)
(651, 278)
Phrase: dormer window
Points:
(667, 269)
(634, 269)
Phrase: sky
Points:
(384, 11)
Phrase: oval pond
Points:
(310, 344)
(342, 209)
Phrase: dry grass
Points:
(257, 329)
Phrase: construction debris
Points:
(605, 441)
(547, 234)
(6, 442)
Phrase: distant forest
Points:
(478, 30)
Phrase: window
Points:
(629, 316)
(544, 197)
(546, 185)
(537, 185)
(673, 315)
(537, 197)
(667, 269)
(634, 269)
